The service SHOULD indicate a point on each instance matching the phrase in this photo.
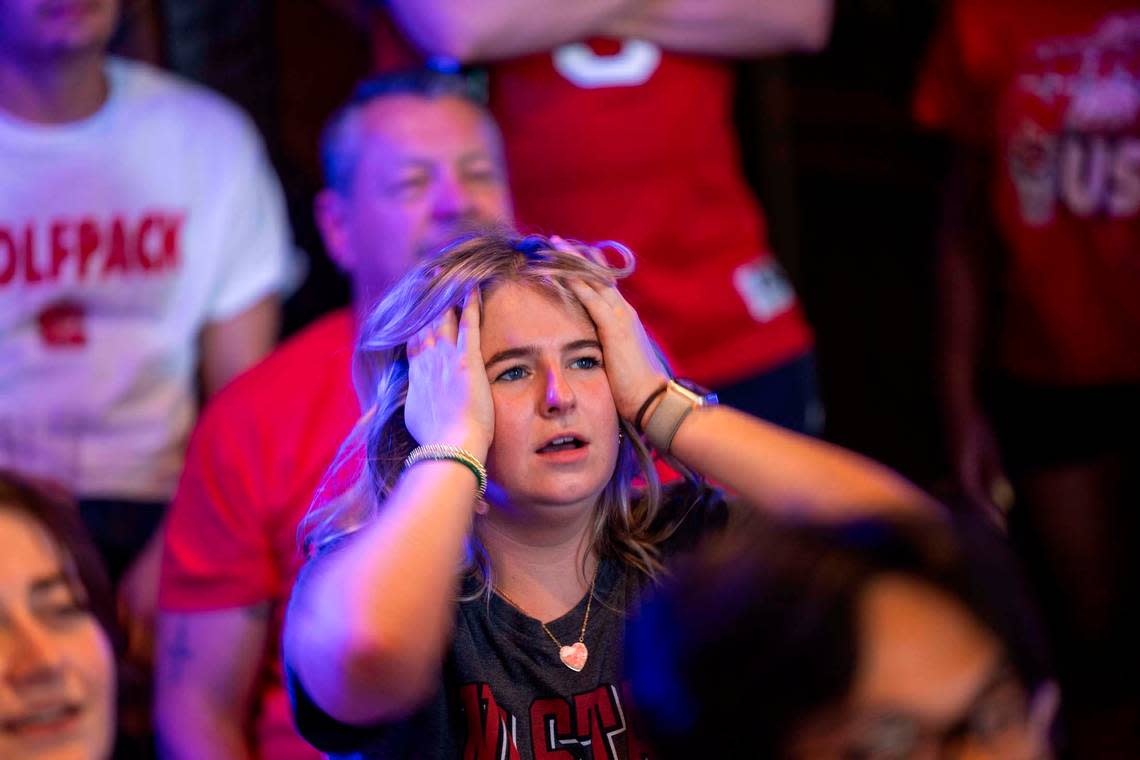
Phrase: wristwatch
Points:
(681, 397)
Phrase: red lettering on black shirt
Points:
(490, 729)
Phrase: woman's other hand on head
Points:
(449, 398)
(632, 365)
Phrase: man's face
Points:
(426, 170)
(45, 30)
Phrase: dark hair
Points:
(757, 631)
(338, 148)
(59, 517)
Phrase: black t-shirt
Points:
(504, 691)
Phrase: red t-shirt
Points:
(1052, 89)
(260, 450)
(620, 140)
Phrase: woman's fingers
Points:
(633, 366)
(446, 327)
(591, 299)
(468, 339)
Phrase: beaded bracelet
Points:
(440, 451)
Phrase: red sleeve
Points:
(960, 80)
(216, 552)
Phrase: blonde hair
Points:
(625, 525)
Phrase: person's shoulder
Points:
(180, 104)
(301, 367)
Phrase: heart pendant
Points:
(574, 656)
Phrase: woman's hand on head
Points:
(449, 398)
(632, 365)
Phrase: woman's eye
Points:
(514, 373)
(586, 362)
(62, 611)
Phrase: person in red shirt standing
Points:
(410, 162)
(617, 120)
(1040, 269)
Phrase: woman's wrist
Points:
(437, 452)
(642, 402)
(645, 411)
(474, 442)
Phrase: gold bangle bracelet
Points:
(442, 451)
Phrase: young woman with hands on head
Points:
(436, 620)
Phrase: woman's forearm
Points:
(370, 620)
(787, 473)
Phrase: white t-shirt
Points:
(121, 236)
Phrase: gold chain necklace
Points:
(574, 655)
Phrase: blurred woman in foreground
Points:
(870, 640)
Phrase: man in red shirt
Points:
(617, 120)
(409, 163)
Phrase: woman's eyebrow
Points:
(526, 352)
(578, 345)
(519, 352)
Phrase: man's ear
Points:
(331, 214)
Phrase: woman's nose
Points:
(33, 654)
(559, 394)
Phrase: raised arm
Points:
(370, 620)
(776, 470)
(729, 28)
(497, 29)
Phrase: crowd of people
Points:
(489, 508)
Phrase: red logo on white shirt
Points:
(63, 325)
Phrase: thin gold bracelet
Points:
(442, 451)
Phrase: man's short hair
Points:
(341, 135)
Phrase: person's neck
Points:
(545, 566)
(56, 92)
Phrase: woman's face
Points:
(58, 685)
(556, 427)
(930, 682)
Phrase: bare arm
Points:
(497, 29)
(231, 346)
(730, 28)
(967, 251)
(205, 680)
(786, 473)
(369, 621)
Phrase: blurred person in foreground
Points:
(1039, 265)
(57, 636)
(641, 92)
(410, 162)
(468, 597)
(143, 246)
(873, 639)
